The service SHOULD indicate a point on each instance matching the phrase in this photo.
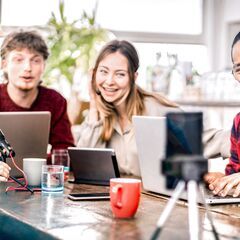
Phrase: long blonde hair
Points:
(135, 100)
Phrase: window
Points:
(185, 53)
(37, 13)
(166, 26)
(165, 16)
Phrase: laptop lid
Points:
(93, 165)
(151, 134)
(27, 133)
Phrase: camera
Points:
(184, 150)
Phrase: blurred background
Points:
(184, 47)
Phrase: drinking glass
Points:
(61, 157)
(52, 178)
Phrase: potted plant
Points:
(73, 47)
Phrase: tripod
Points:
(193, 214)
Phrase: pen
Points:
(22, 184)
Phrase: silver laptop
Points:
(150, 135)
(28, 135)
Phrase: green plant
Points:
(72, 45)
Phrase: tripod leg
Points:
(193, 216)
(209, 215)
(167, 210)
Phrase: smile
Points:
(109, 89)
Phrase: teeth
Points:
(110, 89)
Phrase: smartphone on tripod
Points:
(184, 141)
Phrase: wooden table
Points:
(54, 216)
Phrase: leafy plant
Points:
(72, 45)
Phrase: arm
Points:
(228, 185)
(60, 132)
(91, 128)
(90, 134)
(234, 162)
(216, 143)
(4, 171)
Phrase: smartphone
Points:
(184, 133)
(89, 196)
(184, 138)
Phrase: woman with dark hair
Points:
(115, 98)
(229, 184)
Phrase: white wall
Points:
(223, 20)
(232, 8)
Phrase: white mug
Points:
(32, 167)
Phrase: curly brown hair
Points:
(24, 39)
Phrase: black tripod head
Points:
(186, 168)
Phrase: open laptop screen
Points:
(93, 165)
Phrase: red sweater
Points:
(234, 162)
(47, 100)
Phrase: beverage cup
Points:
(61, 157)
(32, 167)
(52, 178)
(124, 196)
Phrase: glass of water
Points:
(61, 157)
(52, 178)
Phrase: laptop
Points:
(93, 165)
(28, 135)
(151, 135)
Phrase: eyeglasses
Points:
(236, 71)
(236, 68)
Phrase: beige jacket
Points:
(216, 142)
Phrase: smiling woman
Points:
(112, 79)
(114, 99)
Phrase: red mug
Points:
(124, 196)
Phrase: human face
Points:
(24, 69)
(236, 61)
(112, 78)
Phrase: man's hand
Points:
(4, 171)
(212, 176)
(224, 185)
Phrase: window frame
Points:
(158, 37)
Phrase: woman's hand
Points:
(4, 171)
(224, 185)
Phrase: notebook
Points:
(150, 133)
(93, 165)
(27, 133)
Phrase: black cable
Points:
(156, 233)
(22, 184)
